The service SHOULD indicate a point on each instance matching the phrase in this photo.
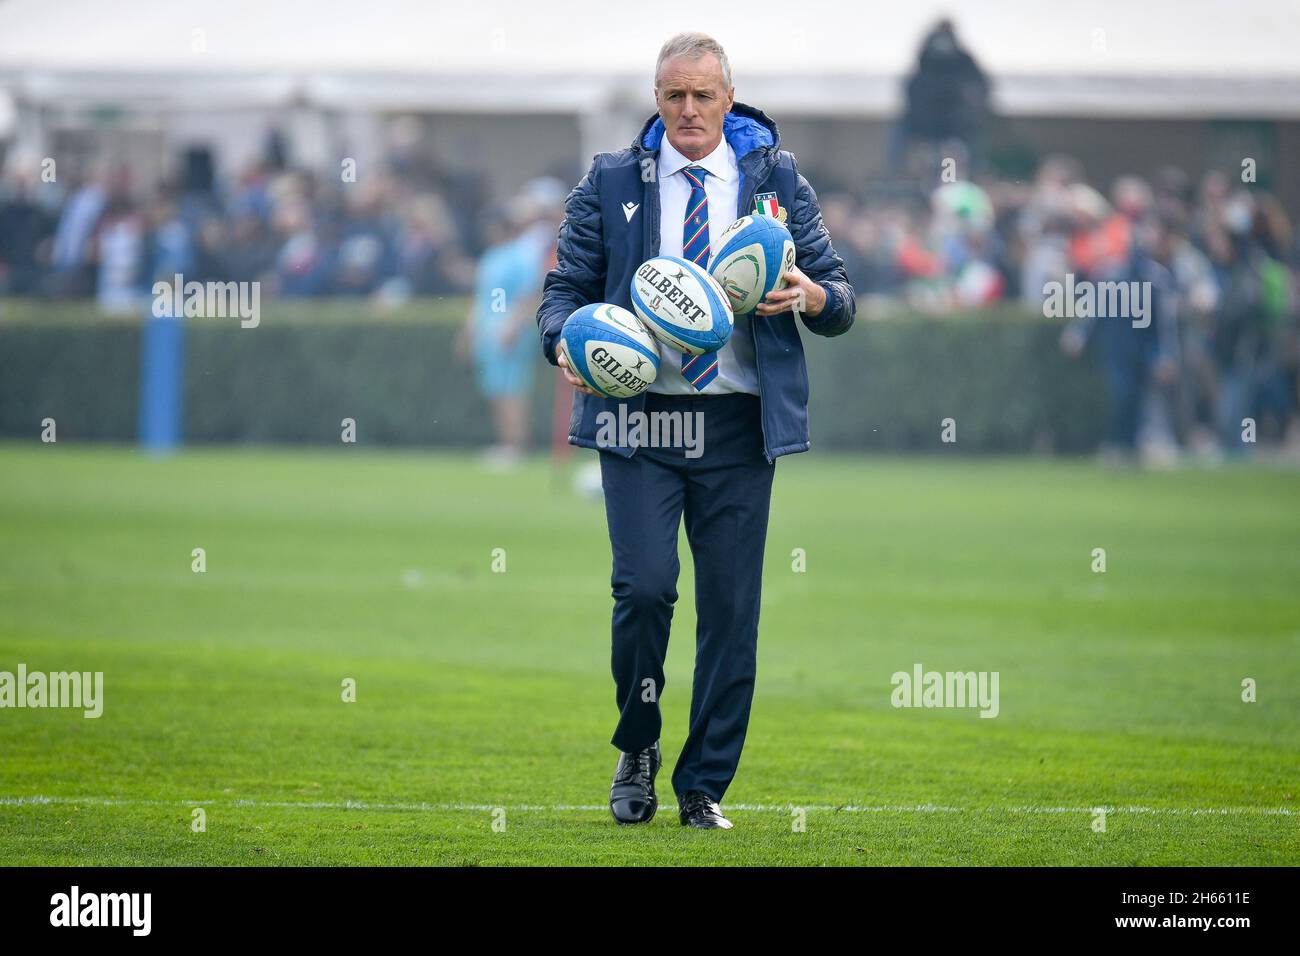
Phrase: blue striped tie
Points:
(699, 370)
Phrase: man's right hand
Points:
(562, 360)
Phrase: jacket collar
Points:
(744, 128)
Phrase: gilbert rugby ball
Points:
(610, 350)
(751, 260)
(681, 305)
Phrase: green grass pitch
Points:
(480, 732)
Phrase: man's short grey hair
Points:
(693, 46)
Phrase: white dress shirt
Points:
(736, 369)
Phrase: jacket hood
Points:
(744, 127)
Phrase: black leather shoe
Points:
(632, 797)
(698, 810)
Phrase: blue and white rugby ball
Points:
(610, 350)
(751, 260)
(681, 305)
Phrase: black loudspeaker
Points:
(276, 150)
(198, 173)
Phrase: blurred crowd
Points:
(1222, 254)
(408, 229)
(1221, 257)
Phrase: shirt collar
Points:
(720, 163)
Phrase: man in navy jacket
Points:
(701, 162)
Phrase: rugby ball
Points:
(610, 350)
(681, 305)
(751, 260)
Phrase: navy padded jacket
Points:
(600, 247)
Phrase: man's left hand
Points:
(800, 293)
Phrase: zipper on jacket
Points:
(762, 405)
(746, 199)
(650, 194)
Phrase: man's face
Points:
(692, 101)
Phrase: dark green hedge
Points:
(885, 385)
(888, 384)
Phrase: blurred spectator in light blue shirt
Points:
(507, 290)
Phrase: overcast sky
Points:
(1232, 37)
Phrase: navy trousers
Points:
(724, 495)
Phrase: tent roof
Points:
(1109, 57)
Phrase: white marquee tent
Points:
(1227, 57)
(194, 61)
